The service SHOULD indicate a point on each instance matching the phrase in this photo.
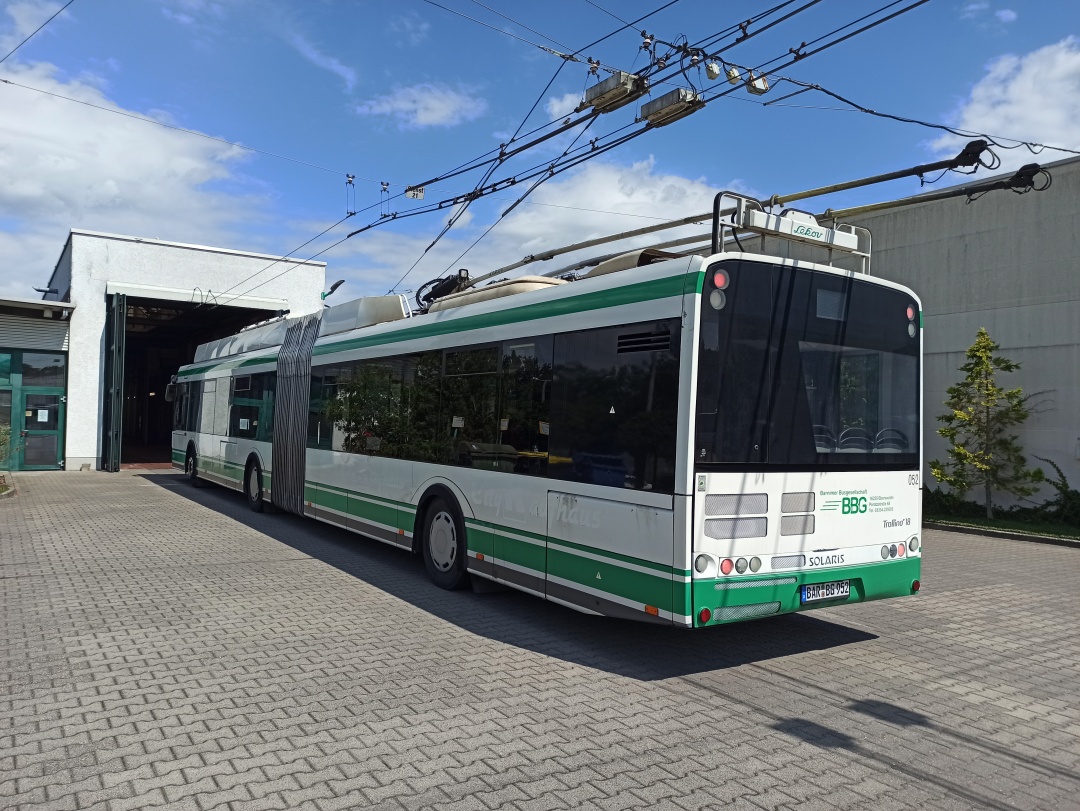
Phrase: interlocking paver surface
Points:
(162, 646)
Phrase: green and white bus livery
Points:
(690, 441)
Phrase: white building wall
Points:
(91, 261)
(1010, 263)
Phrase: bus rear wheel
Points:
(444, 544)
(253, 485)
(191, 468)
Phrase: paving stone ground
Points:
(160, 645)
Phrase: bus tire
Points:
(253, 485)
(443, 544)
(191, 468)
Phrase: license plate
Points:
(816, 592)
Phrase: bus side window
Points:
(615, 406)
(421, 387)
(180, 407)
(525, 403)
(209, 406)
(194, 406)
(469, 395)
(246, 406)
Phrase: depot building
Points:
(83, 369)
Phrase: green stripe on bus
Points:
(520, 553)
(339, 500)
(630, 294)
(400, 515)
(650, 589)
(601, 299)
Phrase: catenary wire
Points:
(476, 163)
(610, 14)
(31, 35)
(1033, 147)
(560, 54)
(595, 151)
(146, 120)
(519, 23)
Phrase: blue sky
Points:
(399, 92)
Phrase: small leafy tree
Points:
(981, 416)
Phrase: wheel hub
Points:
(442, 541)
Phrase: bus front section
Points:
(806, 441)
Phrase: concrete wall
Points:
(1010, 263)
(91, 261)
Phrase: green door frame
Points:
(28, 414)
(22, 426)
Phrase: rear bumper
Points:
(732, 599)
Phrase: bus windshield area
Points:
(809, 369)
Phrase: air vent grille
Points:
(729, 528)
(788, 561)
(797, 503)
(797, 525)
(737, 504)
(644, 342)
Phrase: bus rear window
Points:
(807, 368)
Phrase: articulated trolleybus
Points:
(680, 439)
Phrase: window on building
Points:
(39, 369)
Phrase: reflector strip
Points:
(788, 561)
(745, 612)
(750, 584)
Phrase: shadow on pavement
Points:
(622, 647)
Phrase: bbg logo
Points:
(853, 505)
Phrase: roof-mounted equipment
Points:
(790, 224)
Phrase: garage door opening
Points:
(147, 340)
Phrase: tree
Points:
(981, 415)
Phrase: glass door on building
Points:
(42, 435)
(7, 442)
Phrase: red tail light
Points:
(704, 615)
(915, 586)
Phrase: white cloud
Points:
(974, 9)
(64, 165)
(1006, 15)
(561, 106)
(426, 105)
(26, 16)
(1034, 97)
(600, 198)
(321, 60)
(411, 26)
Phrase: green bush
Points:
(1065, 506)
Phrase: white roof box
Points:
(634, 259)
(510, 287)
(363, 312)
(264, 336)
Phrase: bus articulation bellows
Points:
(687, 440)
